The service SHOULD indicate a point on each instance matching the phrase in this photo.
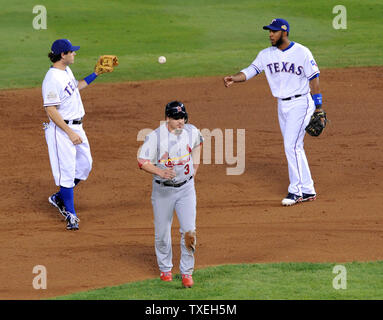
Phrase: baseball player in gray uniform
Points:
(171, 153)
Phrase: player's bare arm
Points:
(315, 89)
(196, 156)
(82, 84)
(148, 167)
(105, 63)
(87, 81)
(59, 121)
(238, 77)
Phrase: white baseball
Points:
(161, 59)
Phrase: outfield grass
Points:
(199, 37)
(282, 281)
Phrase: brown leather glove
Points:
(316, 124)
(190, 240)
(106, 63)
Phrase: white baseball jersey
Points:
(60, 88)
(288, 71)
(68, 161)
(165, 149)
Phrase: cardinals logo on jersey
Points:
(166, 160)
(176, 161)
(169, 164)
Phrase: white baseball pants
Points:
(68, 161)
(165, 200)
(294, 115)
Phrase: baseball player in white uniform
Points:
(171, 153)
(68, 146)
(292, 74)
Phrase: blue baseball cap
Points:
(63, 45)
(278, 25)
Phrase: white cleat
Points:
(291, 199)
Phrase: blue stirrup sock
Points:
(66, 194)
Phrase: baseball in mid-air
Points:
(161, 59)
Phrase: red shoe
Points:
(166, 276)
(308, 197)
(187, 280)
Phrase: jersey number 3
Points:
(187, 170)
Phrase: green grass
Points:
(282, 281)
(199, 37)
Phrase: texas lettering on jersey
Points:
(284, 67)
(60, 89)
(288, 71)
(70, 88)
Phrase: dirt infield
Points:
(239, 217)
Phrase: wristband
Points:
(317, 99)
(90, 78)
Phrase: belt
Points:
(175, 185)
(289, 98)
(76, 121)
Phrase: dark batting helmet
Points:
(176, 110)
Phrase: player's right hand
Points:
(75, 138)
(228, 81)
(168, 173)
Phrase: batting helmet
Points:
(176, 110)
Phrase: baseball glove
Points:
(190, 240)
(316, 126)
(105, 64)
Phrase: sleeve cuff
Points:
(316, 75)
(141, 162)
